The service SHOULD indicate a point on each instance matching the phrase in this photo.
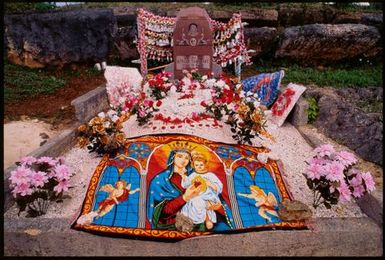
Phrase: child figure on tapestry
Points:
(198, 208)
(265, 203)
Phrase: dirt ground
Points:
(54, 109)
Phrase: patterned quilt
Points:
(181, 186)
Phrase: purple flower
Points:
(345, 194)
(47, 160)
(22, 189)
(28, 160)
(335, 171)
(62, 172)
(62, 186)
(324, 150)
(346, 158)
(20, 175)
(39, 178)
(369, 182)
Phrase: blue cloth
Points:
(266, 85)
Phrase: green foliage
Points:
(312, 110)
(19, 7)
(21, 82)
(339, 76)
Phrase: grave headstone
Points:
(193, 43)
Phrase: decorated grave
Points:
(196, 153)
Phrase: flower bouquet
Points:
(36, 181)
(102, 134)
(332, 178)
(159, 85)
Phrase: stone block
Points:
(90, 104)
(299, 115)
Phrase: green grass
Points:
(364, 76)
(21, 82)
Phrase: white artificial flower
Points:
(173, 89)
(102, 115)
(106, 124)
(164, 78)
(114, 118)
(122, 100)
(256, 95)
(111, 113)
(262, 157)
(249, 94)
(210, 83)
(256, 103)
(242, 94)
(204, 77)
(163, 94)
(220, 83)
(187, 82)
(248, 99)
(226, 87)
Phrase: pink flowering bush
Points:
(36, 181)
(332, 178)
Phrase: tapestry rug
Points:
(180, 186)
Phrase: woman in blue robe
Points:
(167, 196)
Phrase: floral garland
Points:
(155, 35)
(195, 120)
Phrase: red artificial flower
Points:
(158, 103)
(203, 104)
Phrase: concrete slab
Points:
(330, 237)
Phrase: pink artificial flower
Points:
(39, 178)
(22, 189)
(62, 172)
(146, 102)
(48, 160)
(345, 194)
(335, 171)
(358, 191)
(28, 160)
(369, 182)
(20, 175)
(346, 158)
(62, 186)
(324, 150)
(314, 171)
(356, 181)
(142, 113)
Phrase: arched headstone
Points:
(193, 43)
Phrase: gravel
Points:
(289, 147)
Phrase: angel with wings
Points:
(266, 203)
(117, 194)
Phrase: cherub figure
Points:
(117, 194)
(265, 202)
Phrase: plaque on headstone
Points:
(193, 43)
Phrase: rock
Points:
(329, 43)
(124, 43)
(299, 115)
(297, 15)
(347, 17)
(342, 121)
(262, 40)
(293, 210)
(260, 17)
(183, 223)
(57, 38)
(372, 19)
(44, 136)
